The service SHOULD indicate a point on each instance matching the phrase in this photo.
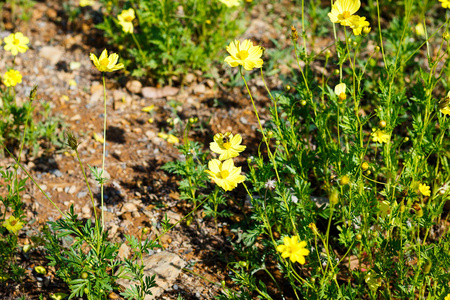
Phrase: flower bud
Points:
(406, 139)
(336, 72)
(287, 87)
(294, 34)
(33, 92)
(382, 123)
(303, 103)
(366, 30)
(446, 36)
(344, 180)
(84, 275)
(145, 230)
(270, 134)
(364, 166)
(377, 48)
(427, 266)
(358, 236)
(313, 228)
(419, 211)
(334, 197)
(277, 143)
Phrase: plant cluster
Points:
(348, 189)
(163, 40)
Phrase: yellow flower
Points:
(380, 136)
(424, 189)
(230, 3)
(12, 78)
(170, 138)
(343, 11)
(358, 24)
(225, 174)
(244, 54)
(16, 42)
(447, 297)
(293, 249)
(445, 4)
(444, 104)
(84, 3)
(106, 63)
(13, 224)
(339, 90)
(126, 20)
(227, 145)
(420, 30)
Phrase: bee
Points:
(226, 137)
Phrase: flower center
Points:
(13, 222)
(223, 174)
(243, 54)
(16, 41)
(342, 96)
(227, 145)
(104, 62)
(128, 18)
(346, 14)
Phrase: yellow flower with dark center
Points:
(293, 249)
(358, 24)
(106, 63)
(227, 145)
(225, 174)
(12, 78)
(380, 136)
(424, 189)
(244, 54)
(340, 90)
(16, 42)
(445, 4)
(13, 224)
(231, 3)
(126, 20)
(343, 11)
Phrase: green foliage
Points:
(172, 37)
(10, 269)
(47, 129)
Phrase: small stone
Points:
(199, 89)
(124, 251)
(190, 78)
(56, 172)
(43, 187)
(53, 54)
(72, 189)
(77, 117)
(129, 207)
(134, 86)
(82, 194)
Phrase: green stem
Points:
(104, 150)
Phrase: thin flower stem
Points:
(104, 151)
(90, 192)
(32, 179)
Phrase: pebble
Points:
(82, 194)
(56, 172)
(134, 86)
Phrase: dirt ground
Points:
(138, 192)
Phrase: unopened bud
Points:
(294, 34)
(303, 103)
(72, 140)
(334, 197)
(336, 72)
(33, 93)
(366, 30)
(313, 228)
(377, 48)
(446, 36)
(358, 236)
(344, 180)
(364, 166)
(382, 123)
(419, 211)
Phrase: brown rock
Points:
(124, 251)
(154, 93)
(166, 266)
(134, 86)
(53, 54)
